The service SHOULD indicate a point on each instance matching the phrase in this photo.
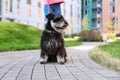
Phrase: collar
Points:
(50, 31)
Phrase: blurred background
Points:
(81, 14)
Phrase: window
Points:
(98, 11)
(64, 11)
(86, 12)
(112, 6)
(86, 2)
(112, 9)
(28, 6)
(71, 7)
(39, 8)
(18, 3)
(98, 1)
(113, 20)
(28, 1)
(98, 21)
(116, 20)
(9, 5)
(18, 6)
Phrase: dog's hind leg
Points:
(43, 58)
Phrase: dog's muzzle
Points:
(65, 24)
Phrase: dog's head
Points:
(58, 23)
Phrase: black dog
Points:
(52, 42)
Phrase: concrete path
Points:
(24, 65)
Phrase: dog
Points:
(52, 42)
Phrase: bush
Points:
(111, 35)
(92, 35)
(72, 36)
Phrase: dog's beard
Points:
(59, 26)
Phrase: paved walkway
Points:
(24, 65)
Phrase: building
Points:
(92, 9)
(31, 12)
(23, 11)
(0, 10)
(71, 10)
(111, 15)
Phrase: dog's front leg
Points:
(43, 58)
(60, 59)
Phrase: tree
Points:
(110, 25)
(85, 23)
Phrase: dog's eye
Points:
(62, 19)
(56, 19)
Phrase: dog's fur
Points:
(52, 42)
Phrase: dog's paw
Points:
(60, 60)
(42, 62)
(62, 63)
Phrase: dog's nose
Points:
(66, 23)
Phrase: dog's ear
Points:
(50, 16)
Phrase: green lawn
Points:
(107, 55)
(113, 49)
(71, 42)
(14, 36)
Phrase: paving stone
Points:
(24, 65)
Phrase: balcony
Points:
(96, 15)
(96, 25)
(97, 5)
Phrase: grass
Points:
(14, 36)
(71, 42)
(113, 49)
(107, 55)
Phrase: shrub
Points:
(92, 35)
(111, 35)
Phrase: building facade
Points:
(92, 9)
(0, 10)
(111, 15)
(31, 12)
(23, 11)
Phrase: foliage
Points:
(85, 23)
(111, 35)
(72, 36)
(91, 35)
(109, 26)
